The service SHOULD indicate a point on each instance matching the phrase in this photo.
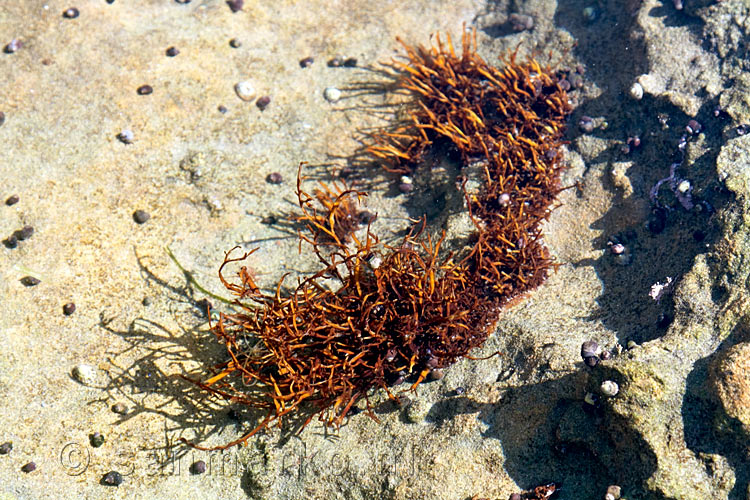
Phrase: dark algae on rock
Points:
(406, 309)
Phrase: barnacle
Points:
(418, 308)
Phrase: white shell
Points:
(126, 136)
(85, 374)
(332, 94)
(609, 388)
(636, 91)
(245, 90)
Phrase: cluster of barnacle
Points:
(403, 310)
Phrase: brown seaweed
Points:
(410, 308)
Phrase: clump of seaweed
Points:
(405, 309)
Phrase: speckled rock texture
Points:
(199, 163)
(731, 380)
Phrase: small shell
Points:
(126, 136)
(245, 90)
(198, 467)
(85, 374)
(615, 491)
(586, 124)
(636, 91)
(120, 408)
(96, 439)
(13, 46)
(693, 127)
(332, 94)
(112, 478)
(589, 348)
(609, 388)
(617, 248)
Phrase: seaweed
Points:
(404, 310)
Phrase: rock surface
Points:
(731, 381)
(197, 161)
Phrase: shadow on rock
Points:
(152, 383)
(548, 434)
(709, 430)
(659, 242)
